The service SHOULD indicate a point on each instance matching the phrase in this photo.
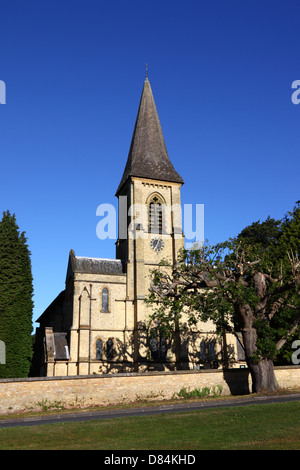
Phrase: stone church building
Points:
(100, 323)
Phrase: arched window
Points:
(203, 353)
(212, 350)
(105, 300)
(109, 349)
(153, 345)
(158, 345)
(208, 351)
(99, 349)
(155, 214)
(163, 348)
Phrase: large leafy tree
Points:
(249, 284)
(16, 304)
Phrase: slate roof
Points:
(97, 265)
(148, 156)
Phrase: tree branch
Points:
(284, 338)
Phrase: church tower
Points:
(150, 225)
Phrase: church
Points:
(100, 322)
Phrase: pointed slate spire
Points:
(148, 156)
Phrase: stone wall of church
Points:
(93, 325)
(198, 350)
(18, 395)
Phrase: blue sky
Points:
(221, 74)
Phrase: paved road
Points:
(146, 411)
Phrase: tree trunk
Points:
(263, 376)
(262, 372)
(177, 343)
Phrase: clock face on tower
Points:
(156, 244)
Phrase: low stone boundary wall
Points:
(38, 392)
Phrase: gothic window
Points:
(109, 349)
(99, 349)
(155, 214)
(208, 351)
(212, 350)
(163, 348)
(154, 345)
(105, 300)
(158, 345)
(203, 354)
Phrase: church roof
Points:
(148, 156)
(81, 264)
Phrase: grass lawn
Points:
(275, 426)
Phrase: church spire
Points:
(148, 156)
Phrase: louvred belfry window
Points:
(155, 215)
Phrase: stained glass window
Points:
(212, 350)
(105, 300)
(208, 351)
(99, 349)
(203, 352)
(158, 346)
(109, 349)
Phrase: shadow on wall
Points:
(237, 381)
